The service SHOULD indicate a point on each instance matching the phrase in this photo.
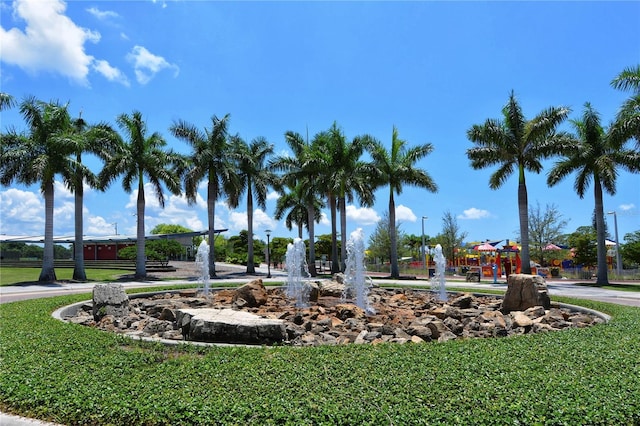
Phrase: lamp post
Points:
(116, 226)
(424, 260)
(268, 232)
(618, 259)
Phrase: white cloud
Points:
(627, 207)
(261, 221)
(22, 212)
(146, 65)
(110, 73)
(474, 213)
(97, 225)
(405, 214)
(273, 195)
(50, 42)
(362, 215)
(102, 14)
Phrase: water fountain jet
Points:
(202, 261)
(438, 280)
(297, 271)
(355, 279)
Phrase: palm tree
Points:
(292, 208)
(595, 155)
(628, 119)
(208, 160)
(301, 172)
(38, 156)
(138, 157)
(517, 143)
(254, 178)
(6, 101)
(99, 140)
(396, 168)
(349, 177)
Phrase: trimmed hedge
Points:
(77, 375)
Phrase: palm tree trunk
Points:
(603, 273)
(523, 210)
(335, 261)
(251, 269)
(79, 273)
(141, 267)
(311, 214)
(393, 238)
(342, 208)
(48, 272)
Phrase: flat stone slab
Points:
(229, 326)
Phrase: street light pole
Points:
(268, 232)
(618, 258)
(424, 260)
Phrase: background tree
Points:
(396, 168)
(254, 178)
(595, 156)
(138, 157)
(451, 237)
(37, 156)
(413, 243)
(584, 242)
(630, 250)
(545, 227)
(170, 228)
(209, 160)
(279, 249)
(380, 241)
(515, 143)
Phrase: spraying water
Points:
(202, 261)
(297, 270)
(355, 278)
(438, 280)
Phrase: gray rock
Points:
(109, 299)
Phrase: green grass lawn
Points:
(11, 275)
(71, 374)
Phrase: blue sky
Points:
(432, 69)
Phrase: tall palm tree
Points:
(517, 144)
(300, 175)
(37, 156)
(100, 140)
(136, 158)
(349, 177)
(595, 154)
(396, 168)
(628, 119)
(255, 178)
(209, 160)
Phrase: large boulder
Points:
(229, 326)
(109, 299)
(525, 291)
(253, 294)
